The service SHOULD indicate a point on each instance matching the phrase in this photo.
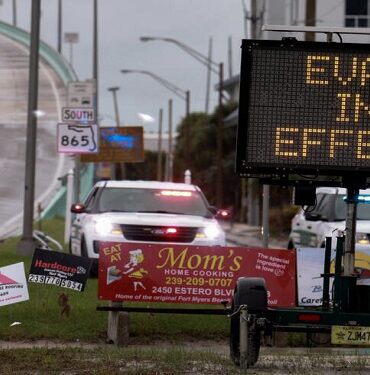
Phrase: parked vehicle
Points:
(312, 224)
(143, 211)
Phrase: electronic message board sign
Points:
(304, 108)
(118, 145)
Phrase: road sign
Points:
(122, 144)
(81, 94)
(78, 139)
(304, 108)
(82, 115)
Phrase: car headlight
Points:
(104, 227)
(211, 231)
(362, 238)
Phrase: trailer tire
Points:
(259, 305)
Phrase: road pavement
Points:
(242, 234)
(14, 71)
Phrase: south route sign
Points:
(304, 108)
(118, 145)
(82, 115)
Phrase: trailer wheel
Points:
(241, 297)
(254, 342)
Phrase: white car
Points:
(143, 211)
(311, 225)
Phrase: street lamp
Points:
(185, 95)
(71, 38)
(216, 68)
(27, 243)
(114, 90)
(119, 168)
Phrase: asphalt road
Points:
(14, 72)
(241, 234)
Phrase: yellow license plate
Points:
(350, 335)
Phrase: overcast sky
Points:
(121, 23)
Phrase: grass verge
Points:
(41, 317)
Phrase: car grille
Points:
(158, 233)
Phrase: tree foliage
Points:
(201, 155)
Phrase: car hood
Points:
(158, 219)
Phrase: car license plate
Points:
(350, 335)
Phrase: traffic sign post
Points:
(81, 109)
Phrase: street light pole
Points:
(60, 26)
(220, 169)
(114, 90)
(185, 95)
(27, 244)
(159, 156)
(170, 156)
(15, 13)
(119, 168)
(217, 69)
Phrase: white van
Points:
(312, 224)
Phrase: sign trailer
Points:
(304, 120)
(304, 109)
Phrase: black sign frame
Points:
(246, 165)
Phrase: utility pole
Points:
(209, 67)
(60, 26)
(253, 186)
(220, 172)
(95, 55)
(230, 55)
(170, 157)
(310, 19)
(168, 171)
(159, 156)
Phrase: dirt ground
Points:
(272, 360)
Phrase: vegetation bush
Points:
(280, 219)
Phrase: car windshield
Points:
(363, 209)
(152, 201)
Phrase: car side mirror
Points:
(78, 208)
(213, 210)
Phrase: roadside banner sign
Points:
(82, 115)
(13, 284)
(78, 139)
(60, 269)
(191, 274)
(310, 267)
